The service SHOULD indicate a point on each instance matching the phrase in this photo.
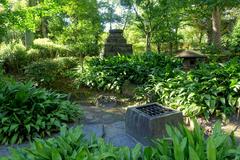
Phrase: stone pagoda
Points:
(116, 44)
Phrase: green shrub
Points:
(34, 55)
(110, 73)
(209, 90)
(27, 112)
(49, 49)
(178, 145)
(48, 70)
(13, 56)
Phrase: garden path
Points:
(107, 123)
(100, 115)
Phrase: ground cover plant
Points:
(180, 143)
(27, 112)
(112, 72)
(211, 89)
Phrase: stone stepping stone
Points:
(93, 129)
(4, 149)
(116, 135)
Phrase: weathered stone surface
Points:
(4, 149)
(93, 129)
(146, 126)
(100, 115)
(115, 134)
(122, 140)
(106, 101)
(128, 89)
(116, 44)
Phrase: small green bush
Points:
(48, 70)
(27, 112)
(13, 56)
(34, 55)
(49, 49)
(180, 144)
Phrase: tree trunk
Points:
(171, 48)
(148, 42)
(176, 40)
(110, 25)
(159, 47)
(44, 27)
(216, 27)
(82, 61)
(209, 37)
(200, 40)
(29, 35)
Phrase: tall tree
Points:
(83, 30)
(169, 23)
(108, 15)
(147, 14)
(29, 35)
(216, 7)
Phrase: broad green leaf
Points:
(193, 154)
(211, 150)
(56, 155)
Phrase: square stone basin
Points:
(149, 121)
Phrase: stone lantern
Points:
(116, 44)
(191, 58)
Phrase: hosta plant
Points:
(184, 144)
(110, 73)
(209, 90)
(71, 145)
(27, 112)
(180, 144)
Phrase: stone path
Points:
(98, 115)
(112, 133)
(108, 123)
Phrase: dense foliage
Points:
(14, 57)
(47, 71)
(27, 112)
(235, 38)
(112, 72)
(180, 144)
(208, 90)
